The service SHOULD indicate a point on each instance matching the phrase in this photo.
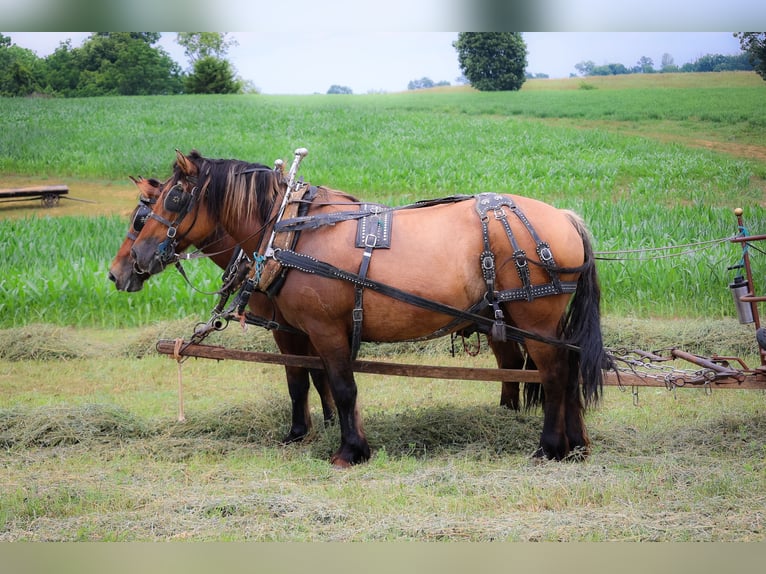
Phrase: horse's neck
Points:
(220, 246)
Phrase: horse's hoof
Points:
(293, 436)
(339, 463)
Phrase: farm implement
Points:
(48, 195)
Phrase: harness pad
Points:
(374, 230)
(269, 272)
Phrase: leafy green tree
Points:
(113, 63)
(492, 61)
(63, 69)
(21, 71)
(198, 45)
(211, 75)
(754, 44)
(211, 72)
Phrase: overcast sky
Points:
(367, 61)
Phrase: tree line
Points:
(130, 63)
(645, 65)
(119, 63)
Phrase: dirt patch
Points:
(744, 151)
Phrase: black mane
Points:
(232, 184)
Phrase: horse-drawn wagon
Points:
(48, 195)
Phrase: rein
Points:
(308, 264)
(316, 221)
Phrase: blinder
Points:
(143, 211)
(176, 201)
(181, 203)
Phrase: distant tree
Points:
(668, 64)
(645, 65)
(126, 63)
(754, 45)
(710, 63)
(420, 84)
(585, 68)
(113, 63)
(336, 89)
(609, 70)
(211, 72)
(198, 45)
(211, 75)
(21, 71)
(492, 61)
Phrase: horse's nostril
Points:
(112, 278)
(133, 254)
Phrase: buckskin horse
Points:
(515, 268)
(221, 248)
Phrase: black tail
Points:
(582, 326)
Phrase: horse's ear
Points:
(185, 164)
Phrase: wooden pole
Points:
(167, 347)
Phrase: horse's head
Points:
(122, 271)
(178, 219)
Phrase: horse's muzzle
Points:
(128, 280)
(146, 265)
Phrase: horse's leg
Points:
(336, 357)
(577, 435)
(325, 394)
(554, 371)
(508, 355)
(298, 386)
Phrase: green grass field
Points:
(629, 160)
(89, 446)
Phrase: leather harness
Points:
(374, 228)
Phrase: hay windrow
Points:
(42, 342)
(66, 425)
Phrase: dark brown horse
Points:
(220, 246)
(462, 262)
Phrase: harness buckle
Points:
(172, 231)
(545, 254)
(357, 315)
(371, 240)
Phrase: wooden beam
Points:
(167, 347)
